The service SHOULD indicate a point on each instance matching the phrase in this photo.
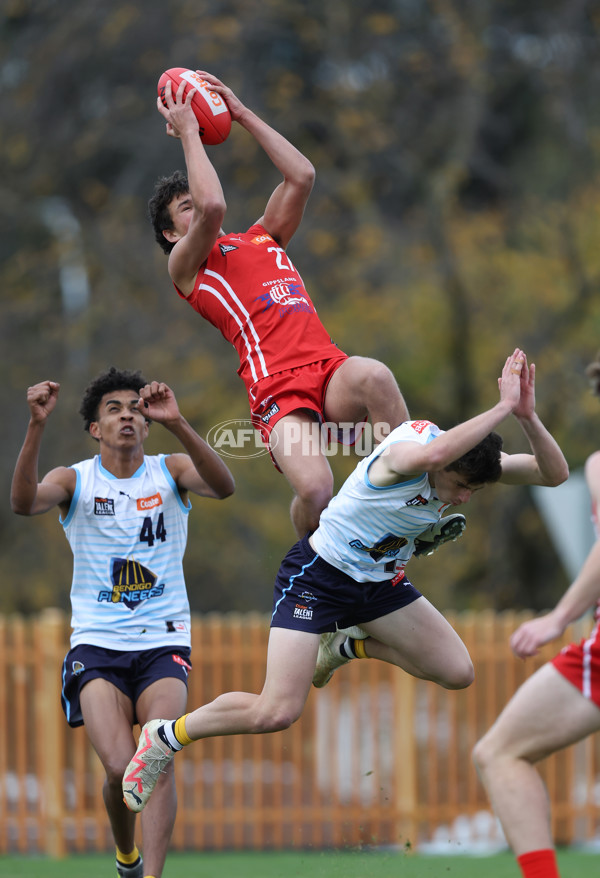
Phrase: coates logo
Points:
(149, 502)
(419, 426)
(261, 239)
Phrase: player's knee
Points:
(485, 755)
(373, 378)
(114, 771)
(459, 675)
(277, 719)
(315, 494)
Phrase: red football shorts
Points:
(303, 387)
(579, 663)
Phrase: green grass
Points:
(300, 865)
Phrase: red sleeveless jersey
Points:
(249, 289)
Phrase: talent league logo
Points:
(132, 583)
(104, 506)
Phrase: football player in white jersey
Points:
(351, 572)
(125, 516)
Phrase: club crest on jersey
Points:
(132, 583)
(104, 506)
(287, 294)
(387, 547)
(226, 248)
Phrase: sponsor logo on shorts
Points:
(272, 410)
(398, 577)
(149, 502)
(302, 612)
(387, 547)
(77, 668)
(180, 661)
(261, 239)
(307, 596)
(104, 506)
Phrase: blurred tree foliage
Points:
(455, 216)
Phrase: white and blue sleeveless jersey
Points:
(128, 537)
(369, 532)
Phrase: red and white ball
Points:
(210, 109)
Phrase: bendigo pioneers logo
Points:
(132, 583)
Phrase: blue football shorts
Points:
(311, 595)
(130, 671)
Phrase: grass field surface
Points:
(301, 865)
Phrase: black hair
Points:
(166, 189)
(482, 464)
(112, 379)
(593, 375)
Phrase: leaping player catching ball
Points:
(246, 285)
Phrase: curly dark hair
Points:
(482, 464)
(166, 189)
(112, 379)
(593, 375)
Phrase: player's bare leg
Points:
(296, 447)
(290, 664)
(108, 720)
(164, 698)
(363, 386)
(108, 717)
(399, 639)
(546, 714)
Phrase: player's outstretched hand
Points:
(529, 636)
(178, 113)
(41, 399)
(157, 402)
(236, 107)
(509, 382)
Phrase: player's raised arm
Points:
(27, 496)
(201, 470)
(197, 215)
(285, 208)
(406, 458)
(546, 465)
(581, 596)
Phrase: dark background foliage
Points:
(454, 217)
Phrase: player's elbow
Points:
(19, 507)
(226, 490)
(558, 476)
(303, 177)
(214, 210)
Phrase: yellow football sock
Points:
(359, 648)
(180, 732)
(128, 859)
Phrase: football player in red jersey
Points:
(246, 285)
